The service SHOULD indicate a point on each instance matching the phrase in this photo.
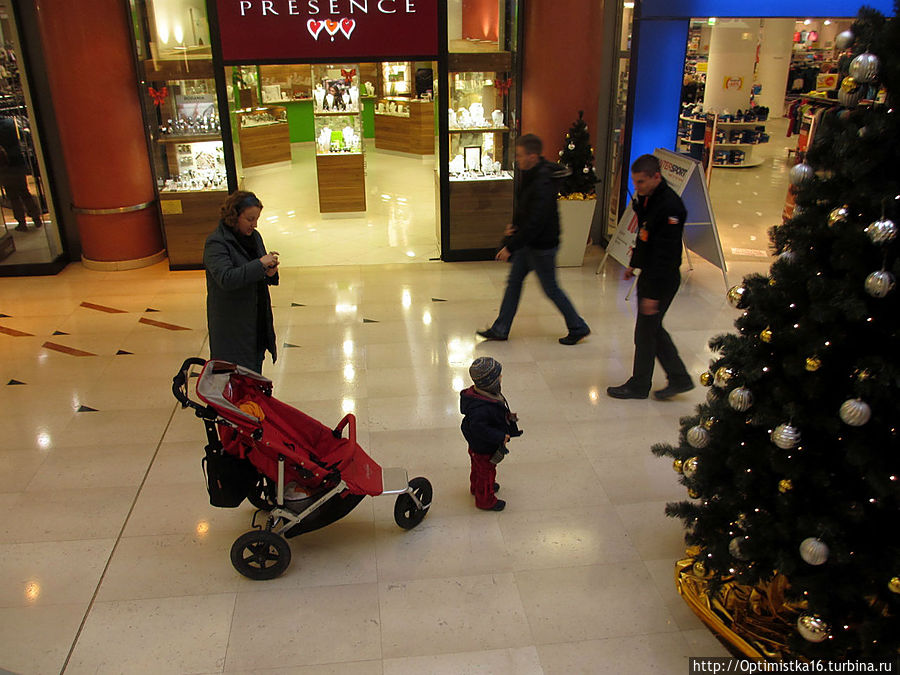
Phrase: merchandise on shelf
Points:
(338, 134)
(478, 134)
(336, 88)
(201, 166)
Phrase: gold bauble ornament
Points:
(766, 335)
(678, 466)
(723, 376)
(785, 485)
(863, 375)
(736, 295)
(699, 569)
(693, 494)
(838, 215)
(813, 363)
(771, 282)
(848, 84)
(706, 379)
(893, 585)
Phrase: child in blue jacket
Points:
(487, 425)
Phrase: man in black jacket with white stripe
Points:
(657, 254)
(532, 241)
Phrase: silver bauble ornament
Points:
(801, 173)
(737, 295)
(571, 146)
(734, 548)
(812, 628)
(723, 376)
(844, 39)
(585, 170)
(787, 255)
(786, 436)
(698, 437)
(814, 551)
(864, 68)
(879, 284)
(740, 399)
(881, 231)
(855, 412)
(689, 467)
(838, 215)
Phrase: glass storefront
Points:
(29, 232)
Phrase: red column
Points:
(91, 70)
(561, 69)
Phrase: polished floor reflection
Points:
(113, 561)
(399, 224)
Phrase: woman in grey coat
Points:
(239, 272)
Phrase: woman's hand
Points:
(270, 262)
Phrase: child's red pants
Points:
(481, 480)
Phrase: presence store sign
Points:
(292, 30)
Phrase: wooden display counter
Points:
(342, 183)
(188, 219)
(265, 144)
(413, 134)
(479, 212)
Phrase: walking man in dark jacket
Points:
(657, 254)
(532, 241)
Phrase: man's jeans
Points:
(542, 261)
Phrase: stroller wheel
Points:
(406, 514)
(262, 493)
(260, 555)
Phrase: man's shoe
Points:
(673, 389)
(574, 338)
(491, 334)
(21, 227)
(624, 391)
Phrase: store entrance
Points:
(766, 80)
(343, 157)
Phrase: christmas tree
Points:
(578, 157)
(793, 463)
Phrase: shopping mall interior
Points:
(386, 179)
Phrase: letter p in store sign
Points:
(345, 26)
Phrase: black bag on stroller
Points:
(228, 478)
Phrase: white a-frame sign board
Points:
(685, 176)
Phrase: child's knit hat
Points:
(485, 373)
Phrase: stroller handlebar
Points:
(350, 419)
(180, 382)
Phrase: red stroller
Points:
(295, 470)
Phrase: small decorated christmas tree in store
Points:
(578, 157)
(793, 464)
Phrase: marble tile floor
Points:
(113, 561)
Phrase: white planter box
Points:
(575, 218)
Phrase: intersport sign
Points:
(292, 30)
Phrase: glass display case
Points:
(263, 135)
(394, 106)
(338, 128)
(338, 134)
(477, 121)
(396, 79)
(285, 83)
(336, 88)
(188, 153)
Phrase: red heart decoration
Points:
(332, 26)
(347, 26)
(314, 27)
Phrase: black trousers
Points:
(15, 183)
(651, 342)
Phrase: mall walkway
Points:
(113, 561)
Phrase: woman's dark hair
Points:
(235, 204)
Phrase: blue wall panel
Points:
(762, 8)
